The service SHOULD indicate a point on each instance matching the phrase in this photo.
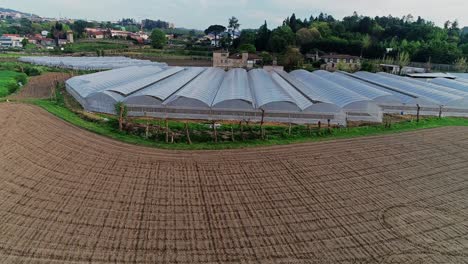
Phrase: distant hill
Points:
(14, 11)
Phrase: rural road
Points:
(70, 196)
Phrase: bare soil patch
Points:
(70, 196)
(42, 86)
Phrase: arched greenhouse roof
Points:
(427, 84)
(130, 87)
(201, 90)
(234, 91)
(91, 83)
(450, 83)
(270, 95)
(441, 97)
(165, 88)
(329, 91)
(358, 87)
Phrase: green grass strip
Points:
(108, 130)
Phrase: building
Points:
(11, 41)
(334, 61)
(222, 59)
(70, 36)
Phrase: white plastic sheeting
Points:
(437, 96)
(451, 83)
(360, 88)
(199, 93)
(234, 92)
(300, 96)
(89, 63)
(101, 81)
(157, 93)
(427, 84)
(272, 95)
(130, 87)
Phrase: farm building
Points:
(298, 97)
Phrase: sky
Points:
(199, 14)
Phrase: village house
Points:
(11, 41)
(222, 59)
(332, 61)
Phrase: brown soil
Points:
(70, 196)
(41, 87)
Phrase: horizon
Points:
(252, 16)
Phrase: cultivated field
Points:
(39, 87)
(69, 196)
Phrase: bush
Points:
(12, 87)
(32, 71)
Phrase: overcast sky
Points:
(251, 13)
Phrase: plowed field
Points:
(69, 196)
(41, 86)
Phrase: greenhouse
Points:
(298, 97)
(432, 99)
(356, 106)
(88, 63)
(457, 85)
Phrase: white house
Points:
(11, 41)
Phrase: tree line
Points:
(373, 38)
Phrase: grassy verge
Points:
(108, 129)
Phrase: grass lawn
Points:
(9, 81)
(109, 129)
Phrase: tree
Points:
(24, 42)
(158, 39)
(281, 38)
(292, 59)
(233, 25)
(366, 43)
(57, 32)
(293, 23)
(403, 60)
(122, 111)
(267, 59)
(262, 37)
(461, 64)
(216, 30)
(249, 48)
(305, 36)
(80, 27)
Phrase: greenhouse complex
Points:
(298, 97)
(88, 63)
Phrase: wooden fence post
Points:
(187, 132)
(262, 132)
(417, 114)
(215, 132)
(232, 134)
(167, 131)
(121, 108)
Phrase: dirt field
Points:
(41, 86)
(69, 196)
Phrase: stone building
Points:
(222, 59)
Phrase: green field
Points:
(9, 82)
